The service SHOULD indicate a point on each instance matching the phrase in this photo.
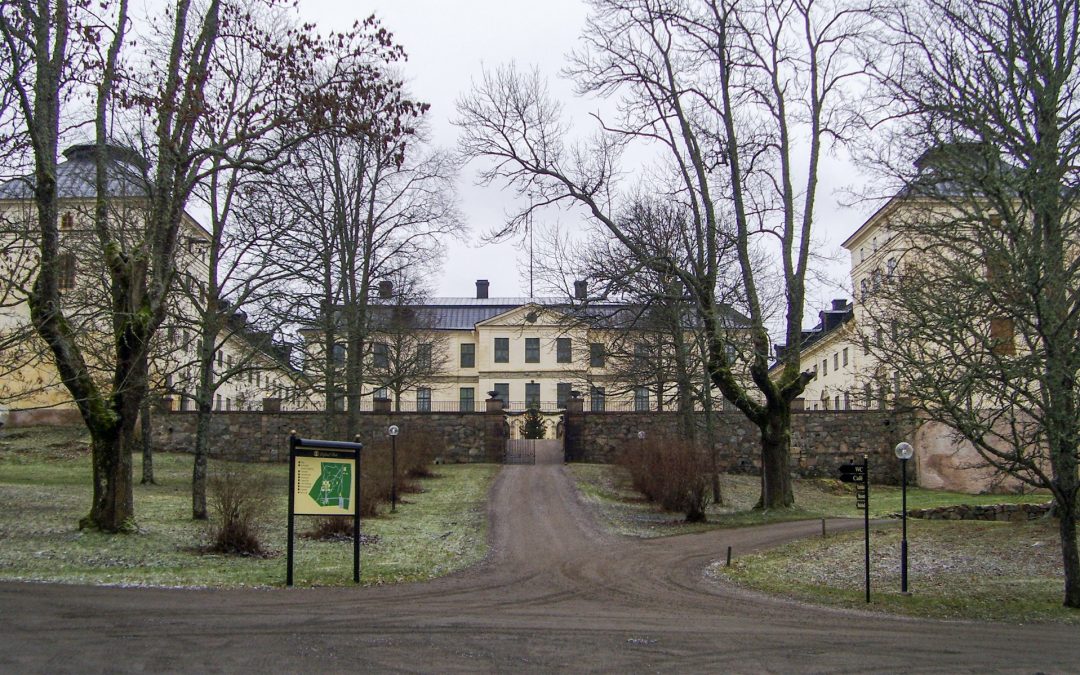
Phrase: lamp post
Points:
(393, 431)
(904, 452)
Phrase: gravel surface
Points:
(556, 594)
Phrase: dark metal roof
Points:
(833, 318)
(75, 177)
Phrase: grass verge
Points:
(967, 570)
(624, 511)
(45, 489)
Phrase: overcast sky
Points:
(448, 43)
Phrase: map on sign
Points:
(334, 485)
(324, 486)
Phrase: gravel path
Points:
(556, 594)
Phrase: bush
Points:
(334, 528)
(670, 473)
(241, 499)
(417, 451)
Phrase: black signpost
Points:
(325, 475)
(860, 475)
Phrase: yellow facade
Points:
(30, 387)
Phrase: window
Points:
(468, 355)
(837, 402)
(502, 391)
(562, 350)
(596, 355)
(67, 222)
(258, 379)
(562, 393)
(65, 271)
(815, 370)
(380, 355)
(467, 399)
(824, 367)
(641, 355)
(228, 404)
(641, 399)
(502, 350)
(844, 354)
(380, 393)
(890, 268)
(868, 395)
(596, 399)
(423, 400)
(1002, 337)
(423, 356)
(339, 354)
(896, 385)
(532, 395)
(836, 361)
(532, 350)
(847, 400)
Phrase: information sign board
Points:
(323, 484)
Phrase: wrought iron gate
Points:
(520, 451)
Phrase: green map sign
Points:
(324, 486)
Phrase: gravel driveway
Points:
(556, 594)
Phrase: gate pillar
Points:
(573, 433)
(495, 429)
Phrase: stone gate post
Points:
(495, 429)
(573, 434)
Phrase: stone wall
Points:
(263, 437)
(820, 442)
(1014, 513)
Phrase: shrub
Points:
(417, 451)
(241, 498)
(332, 528)
(671, 473)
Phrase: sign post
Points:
(324, 480)
(860, 475)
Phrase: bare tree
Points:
(164, 89)
(376, 206)
(979, 309)
(267, 73)
(740, 98)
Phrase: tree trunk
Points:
(147, 429)
(202, 452)
(1069, 554)
(776, 492)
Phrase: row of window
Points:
(467, 396)
(836, 360)
(563, 352)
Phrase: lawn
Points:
(967, 570)
(957, 569)
(45, 489)
(624, 511)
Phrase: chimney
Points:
(839, 305)
(581, 290)
(481, 288)
(386, 289)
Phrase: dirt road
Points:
(556, 594)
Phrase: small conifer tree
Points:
(533, 426)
